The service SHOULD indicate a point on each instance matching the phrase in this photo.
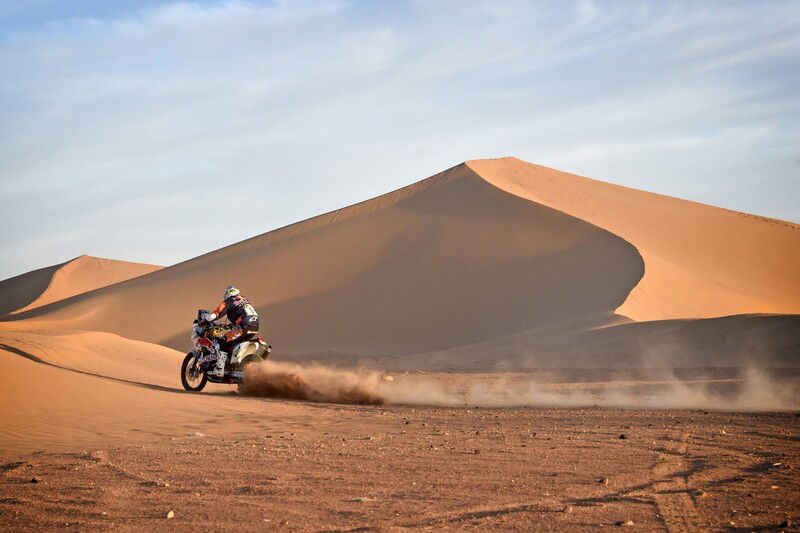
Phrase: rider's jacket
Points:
(239, 312)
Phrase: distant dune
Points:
(489, 262)
(50, 284)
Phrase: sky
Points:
(156, 131)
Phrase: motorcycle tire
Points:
(192, 386)
(250, 359)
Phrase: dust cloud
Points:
(312, 382)
(751, 390)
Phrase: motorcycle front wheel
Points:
(192, 379)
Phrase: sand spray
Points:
(754, 389)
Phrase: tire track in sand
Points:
(671, 491)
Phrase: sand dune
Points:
(49, 407)
(450, 260)
(700, 261)
(50, 284)
(95, 353)
(491, 261)
(44, 406)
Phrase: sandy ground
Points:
(324, 467)
(85, 451)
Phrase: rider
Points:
(244, 318)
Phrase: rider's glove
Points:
(209, 316)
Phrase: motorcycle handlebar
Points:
(210, 323)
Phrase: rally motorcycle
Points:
(197, 363)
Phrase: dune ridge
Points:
(700, 261)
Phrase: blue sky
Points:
(156, 131)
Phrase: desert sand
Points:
(701, 261)
(54, 283)
(500, 345)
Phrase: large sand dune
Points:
(50, 284)
(491, 261)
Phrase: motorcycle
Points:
(202, 359)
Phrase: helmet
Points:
(232, 290)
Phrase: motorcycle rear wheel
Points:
(191, 381)
(250, 359)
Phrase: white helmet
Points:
(232, 290)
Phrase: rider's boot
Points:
(219, 370)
